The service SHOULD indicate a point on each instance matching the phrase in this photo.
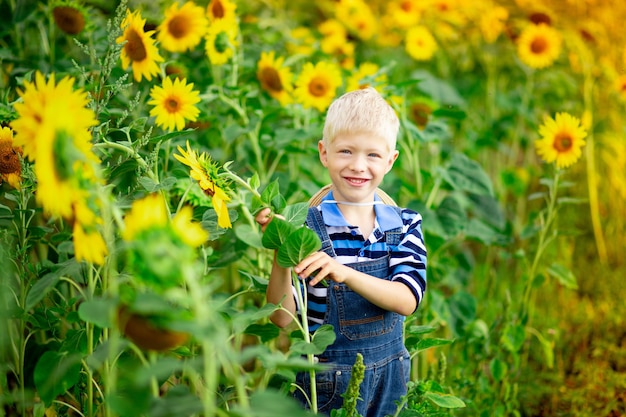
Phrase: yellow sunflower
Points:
(301, 42)
(187, 230)
(538, 46)
(174, 103)
(405, 13)
(182, 29)
(562, 139)
(335, 36)
(221, 41)
(144, 214)
(89, 244)
(139, 49)
(420, 43)
(317, 85)
(221, 10)
(358, 18)
(206, 173)
(275, 78)
(36, 99)
(366, 76)
(10, 164)
(493, 23)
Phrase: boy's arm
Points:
(389, 295)
(279, 289)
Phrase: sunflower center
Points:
(68, 19)
(217, 9)
(9, 160)
(172, 105)
(563, 142)
(271, 79)
(406, 6)
(178, 27)
(538, 46)
(135, 49)
(221, 42)
(318, 87)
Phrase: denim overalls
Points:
(362, 327)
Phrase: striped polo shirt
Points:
(407, 263)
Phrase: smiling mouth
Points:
(356, 180)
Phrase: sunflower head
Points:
(420, 44)
(221, 10)
(207, 174)
(562, 139)
(174, 103)
(317, 85)
(538, 46)
(275, 78)
(139, 49)
(10, 159)
(221, 41)
(183, 28)
(157, 246)
(70, 16)
(366, 76)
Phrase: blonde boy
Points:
(373, 256)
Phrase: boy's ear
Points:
(321, 147)
(392, 159)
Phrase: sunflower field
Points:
(140, 138)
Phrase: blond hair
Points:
(363, 110)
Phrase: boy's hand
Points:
(264, 217)
(319, 266)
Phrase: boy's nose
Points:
(357, 164)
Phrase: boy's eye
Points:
(344, 151)
(374, 155)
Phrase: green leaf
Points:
(272, 198)
(45, 284)
(266, 332)
(276, 233)
(249, 235)
(429, 343)
(451, 216)
(152, 186)
(444, 400)
(296, 213)
(467, 175)
(298, 246)
(170, 135)
(97, 311)
(55, 373)
(563, 275)
(498, 369)
(324, 336)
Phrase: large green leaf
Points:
(55, 373)
(45, 284)
(467, 175)
(445, 400)
(298, 246)
(276, 233)
(97, 311)
(296, 213)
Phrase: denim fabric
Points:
(361, 327)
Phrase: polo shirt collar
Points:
(386, 216)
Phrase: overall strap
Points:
(315, 222)
(394, 236)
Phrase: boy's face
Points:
(357, 163)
